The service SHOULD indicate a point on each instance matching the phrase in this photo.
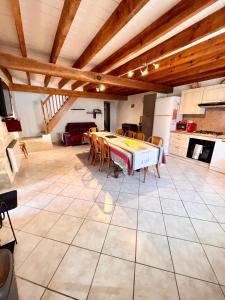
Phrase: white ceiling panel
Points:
(90, 17)
(122, 37)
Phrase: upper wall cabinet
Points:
(214, 93)
(190, 100)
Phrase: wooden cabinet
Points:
(190, 100)
(214, 93)
(179, 144)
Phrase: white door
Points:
(165, 106)
(161, 127)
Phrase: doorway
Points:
(106, 116)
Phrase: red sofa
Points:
(74, 132)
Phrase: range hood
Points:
(212, 104)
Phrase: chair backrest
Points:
(105, 148)
(129, 133)
(120, 131)
(156, 140)
(96, 145)
(139, 136)
(93, 129)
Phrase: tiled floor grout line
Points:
(99, 255)
(135, 253)
(69, 245)
(175, 278)
(45, 288)
(204, 251)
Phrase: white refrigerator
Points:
(165, 118)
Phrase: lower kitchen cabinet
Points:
(179, 144)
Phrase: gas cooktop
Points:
(209, 132)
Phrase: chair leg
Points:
(145, 172)
(102, 164)
(157, 169)
(108, 168)
(25, 148)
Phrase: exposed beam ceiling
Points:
(200, 77)
(199, 30)
(52, 91)
(180, 63)
(7, 74)
(196, 71)
(118, 19)
(171, 19)
(19, 28)
(35, 66)
(69, 10)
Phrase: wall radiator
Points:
(14, 155)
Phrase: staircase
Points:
(53, 108)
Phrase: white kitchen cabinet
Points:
(214, 93)
(190, 100)
(218, 158)
(179, 144)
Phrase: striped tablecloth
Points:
(131, 154)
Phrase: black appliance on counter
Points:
(128, 126)
(207, 149)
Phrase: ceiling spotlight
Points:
(97, 89)
(130, 74)
(144, 71)
(101, 87)
(156, 66)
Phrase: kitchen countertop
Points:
(211, 136)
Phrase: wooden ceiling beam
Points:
(35, 66)
(19, 28)
(52, 91)
(7, 74)
(200, 77)
(213, 66)
(182, 39)
(118, 19)
(170, 20)
(199, 30)
(68, 13)
(190, 58)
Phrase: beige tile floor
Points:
(83, 236)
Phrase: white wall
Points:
(127, 114)
(27, 108)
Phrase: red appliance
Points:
(188, 126)
(191, 126)
(181, 125)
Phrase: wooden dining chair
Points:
(97, 149)
(93, 129)
(156, 140)
(120, 131)
(105, 154)
(92, 148)
(129, 133)
(139, 136)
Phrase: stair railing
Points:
(50, 106)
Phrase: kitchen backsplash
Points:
(214, 119)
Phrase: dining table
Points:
(130, 154)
